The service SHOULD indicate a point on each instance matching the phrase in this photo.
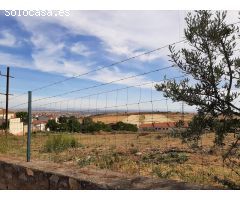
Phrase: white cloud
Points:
(123, 34)
(14, 60)
(7, 39)
(79, 48)
(49, 56)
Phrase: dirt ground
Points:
(143, 118)
(148, 154)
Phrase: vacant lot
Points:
(152, 154)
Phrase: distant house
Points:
(39, 125)
(11, 115)
(165, 127)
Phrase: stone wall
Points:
(16, 174)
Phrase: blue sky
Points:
(42, 50)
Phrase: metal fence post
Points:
(29, 125)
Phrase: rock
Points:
(42, 176)
(63, 185)
(23, 177)
(29, 172)
(73, 184)
(8, 175)
(3, 186)
(138, 153)
(54, 179)
(53, 182)
(42, 180)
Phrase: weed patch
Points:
(163, 172)
(170, 157)
(59, 143)
(3, 146)
(107, 161)
(85, 161)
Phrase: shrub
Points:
(121, 126)
(63, 127)
(89, 126)
(23, 116)
(52, 125)
(106, 161)
(82, 162)
(163, 172)
(58, 143)
(100, 126)
(65, 124)
(180, 124)
(73, 124)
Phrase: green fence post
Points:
(29, 125)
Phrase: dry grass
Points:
(146, 154)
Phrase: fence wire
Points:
(118, 127)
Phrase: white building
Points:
(16, 126)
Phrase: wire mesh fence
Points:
(113, 131)
(124, 125)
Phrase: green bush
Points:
(65, 124)
(121, 126)
(23, 116)
(58, 143)
(52, 125)
(100, 126)
(71, 124)
(88, 126)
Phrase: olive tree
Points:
(212, 70)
